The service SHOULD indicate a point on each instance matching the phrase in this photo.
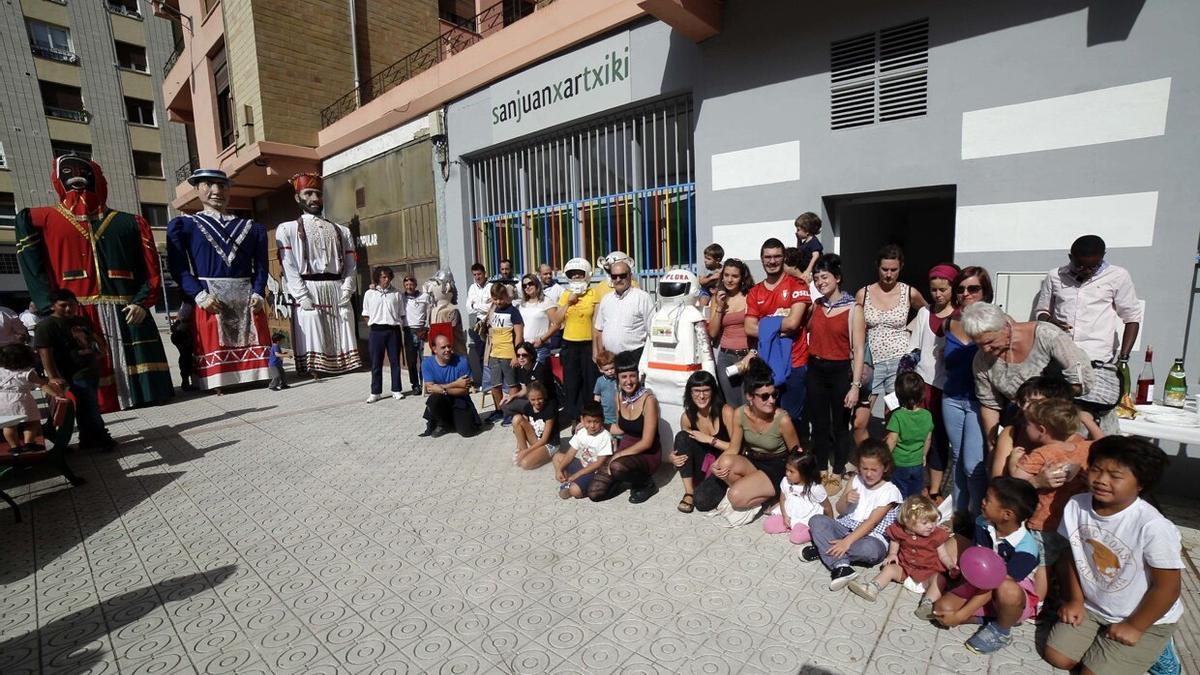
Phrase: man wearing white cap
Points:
(220, 263)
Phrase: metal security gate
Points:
(623, 183)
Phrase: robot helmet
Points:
(578, 265)
(678, 285)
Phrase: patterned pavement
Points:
(303, 531)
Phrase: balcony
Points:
(173, 57)
(184, 172)
(54, 54)
(69, 114)
(128, 9)
(457, 34)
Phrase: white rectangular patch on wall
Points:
(745, 239)
(1120, 113)
(763, 165)
(1123, 221)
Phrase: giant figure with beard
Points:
(220, 262)
(319, 264)
(109, 261)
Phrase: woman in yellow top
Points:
(576, 308)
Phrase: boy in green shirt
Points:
(909, 433)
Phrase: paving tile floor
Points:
(304, 531)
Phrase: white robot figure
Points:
(677, 346)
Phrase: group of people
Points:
(1012, 419)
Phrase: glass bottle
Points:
(1175, 390)
(1145, 382)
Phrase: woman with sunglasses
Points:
(760, 439)
(637, 456)
(704, 432)
(529, 369)
(540, 315)
(727, 327)
(960, 408)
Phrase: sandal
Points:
(687, 504)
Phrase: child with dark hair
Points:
(868, 509)
(275, 363)
(801, 496)
(184, 340)
(808, 226)
(588, 451)
(909, 434)
(714, 258)
(1123, 587)
(17, 380)
(1006, 506)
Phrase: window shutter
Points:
(879, 77)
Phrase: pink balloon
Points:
(983, 568)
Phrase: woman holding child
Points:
(760, 438)
(637, 456)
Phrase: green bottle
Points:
(1175, 391)
(1123, 373)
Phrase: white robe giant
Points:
(319, 265)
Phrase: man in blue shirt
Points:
(447, 379)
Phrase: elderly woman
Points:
(1011, 353)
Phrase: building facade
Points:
(83, 77)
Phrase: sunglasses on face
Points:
(527, 284)
(618, 277)
(972, 289)
(524, 355)
(767, 396)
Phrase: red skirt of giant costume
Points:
(220, 365)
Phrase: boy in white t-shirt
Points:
(588, 451)
(1123, 587)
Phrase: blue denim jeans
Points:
(966, 452)
(867, 551)
(910, 480)
(794, 392)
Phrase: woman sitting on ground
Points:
(637, 456)
(760, 438)
(704, 432)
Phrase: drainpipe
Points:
(354, 50)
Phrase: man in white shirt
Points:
(622, 320)
(1092, 300)
(550, 286)
(416, 328)
(479, 302)
(383, 305)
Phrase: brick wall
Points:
(389, 31)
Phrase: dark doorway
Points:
(919, 220)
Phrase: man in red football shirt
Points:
(786, 296)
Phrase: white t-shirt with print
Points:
(801, 503)
(1113, 555)
(589, 448)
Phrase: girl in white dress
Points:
(17, 380)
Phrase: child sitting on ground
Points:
(909, 434)
(17, 380)
(918, 556)
(867, 507)
(588, 451)
(534, 429)
(714, 258)
(808, 226)
(605, 391)
(1123, 584)
(801, 496)
(1001, 527)
(1050, 425)
(1013, 434)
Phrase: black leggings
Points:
(579, 376)
(452, 412)
(695, 452)
(637, 470)
(828, 383)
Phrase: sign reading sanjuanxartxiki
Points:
(588, 80)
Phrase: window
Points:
(8, 262)
(8, 209)
(60, 148)
(63, 101)
(147, 164)
(51, 42)
(132, 57)
(155, 214)
(124, 7)
(879, 77)
(139, 111)
(224, 98)
(3, 158)
(360, 198)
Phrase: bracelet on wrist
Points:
(856, 385)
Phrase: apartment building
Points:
(83, 77)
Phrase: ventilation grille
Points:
(879, 77)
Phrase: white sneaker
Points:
(398, 395)
(373, 397)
